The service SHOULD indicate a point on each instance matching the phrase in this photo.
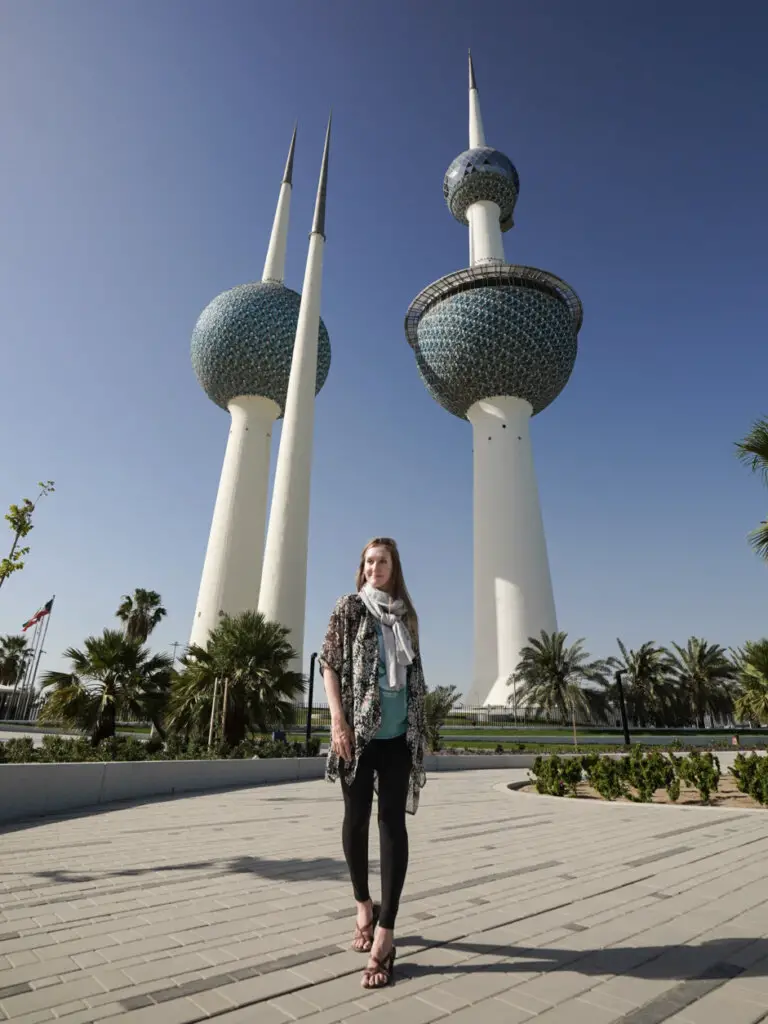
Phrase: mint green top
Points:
(394, 703)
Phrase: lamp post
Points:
(213, 711)
(310, 691)
(622, 707)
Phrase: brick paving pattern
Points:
(236, 906)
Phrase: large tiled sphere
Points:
(492, 341)
(482, 173)
(242, 343)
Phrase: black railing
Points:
(463, 717)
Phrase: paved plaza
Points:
(236, 905)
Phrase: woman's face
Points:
(378, 566)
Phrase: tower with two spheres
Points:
(262, 352)
(495, 344)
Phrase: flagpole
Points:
(32, 662)
(44, 633)
(21, 674)
(35, 645)
(20, 699)
(40, 653)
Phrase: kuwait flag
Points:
(45, 610)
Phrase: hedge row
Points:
(635, 777)
(59, 749)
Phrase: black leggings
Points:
(391, 760)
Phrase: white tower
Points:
(494, 344)
(284, 576)
(241, 352)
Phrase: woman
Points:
(375, 685)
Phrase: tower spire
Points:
(318, 222)
(288, 172)
(283, 594)
(274, 265)
(476, 133)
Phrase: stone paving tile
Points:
(235, 906)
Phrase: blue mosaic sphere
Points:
(242, 343)
(492, 341)
(482, 173)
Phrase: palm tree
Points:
(703, 674)
(141, 613)
(554, 677)
(437, 706)
(752, 663)
(753, 452)
(648, 691)
(111, 676)
(14, 656)
(249, 656)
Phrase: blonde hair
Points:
(397, 585)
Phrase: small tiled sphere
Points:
(481, 173)
(242, 343)
(493, 341)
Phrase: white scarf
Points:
(398, 647)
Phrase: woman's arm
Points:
(342, 736)
(333, 692)
(331, 658)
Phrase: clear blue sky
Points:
(143, 145)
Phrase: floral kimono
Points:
(351, 649)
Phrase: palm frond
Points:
(758, 539)
(753, 449)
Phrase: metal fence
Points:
(474, 717)
(20, 710)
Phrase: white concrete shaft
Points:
(485, 239)
(232, 569)
(513, 587)
(284, 577)
(274, 265)
(476, 132)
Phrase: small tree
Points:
(110, 676)
(703, 675)
(19, 517)
(554, 677)
(250, 657)
(648, 689)
(437, 706)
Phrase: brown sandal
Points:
(386, 966)
(364, 934)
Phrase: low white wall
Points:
(36, 790)
(33, 790)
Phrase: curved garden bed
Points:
(652, 777)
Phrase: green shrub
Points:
(17, 751)
(751, 775)
(63, 750)
(60, 749)
(553, 776)
(701, 771)
(649, 772)
(606, 775)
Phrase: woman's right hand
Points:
(342, 739)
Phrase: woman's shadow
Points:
(710, 960)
